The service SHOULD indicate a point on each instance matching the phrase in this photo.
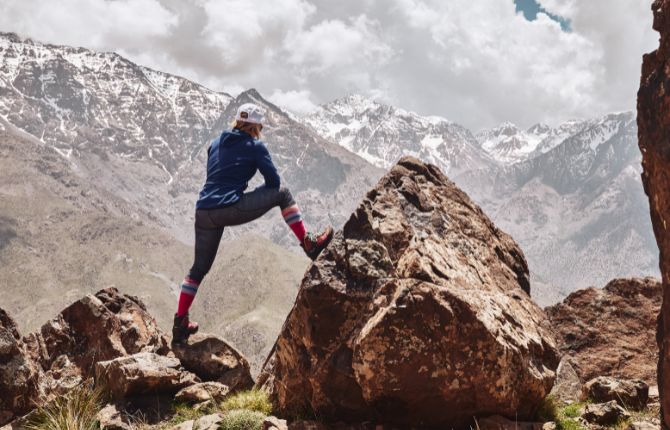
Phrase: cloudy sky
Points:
(476, 62)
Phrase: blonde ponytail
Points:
(250, 128)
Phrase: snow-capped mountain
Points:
(382, 134)
(140, 133)
(74, 99)
(508, 144)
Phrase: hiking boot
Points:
(313, 244)
(183, 328)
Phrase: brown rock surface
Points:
(18, 373)
(213, 359)
(202, 392)
(629, 394)
(610, 331)
(417, 313)
(142, 373)
(605, 414)
(653, 121)
(111, 418)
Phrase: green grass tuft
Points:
(566, 418)
(77, 410)
(252, 400)
(242, 419)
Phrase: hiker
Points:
(232, 160)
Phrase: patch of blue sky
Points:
(530, 9)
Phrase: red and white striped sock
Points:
(293, 218)
(189, 288)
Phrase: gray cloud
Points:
(477, 63)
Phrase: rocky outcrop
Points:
(143, 373)
(418, 312)
(213, 359)
(653, 121)
(63, 353)
(610, 331)
(112, 337)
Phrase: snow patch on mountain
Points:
(382, 134)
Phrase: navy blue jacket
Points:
(232, 160)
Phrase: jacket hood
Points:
(231, 137)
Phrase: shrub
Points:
(242, 419)
(77, 410)
(253, 400)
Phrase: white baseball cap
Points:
(250, 112)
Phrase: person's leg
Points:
(252, 205)
(255, 204)
(207, 239)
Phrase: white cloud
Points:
(478, 63)
(97, 24)
(298, 102)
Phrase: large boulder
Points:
(19, 374)
(418, 313)
(143, 373)
(610, 331)
(213, 359)
(653, 122)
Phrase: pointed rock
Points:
(418, 313)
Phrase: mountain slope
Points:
(578, 210)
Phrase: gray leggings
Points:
(209, 223)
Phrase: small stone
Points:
(186, 425)
(274, 423)
(202, 392)
(110, 418)
(653, 394)
(643, 425)
(208, 422)
(632, 394)
(604, 413)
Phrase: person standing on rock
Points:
(232, 160)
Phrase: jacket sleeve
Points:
(267, 167)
